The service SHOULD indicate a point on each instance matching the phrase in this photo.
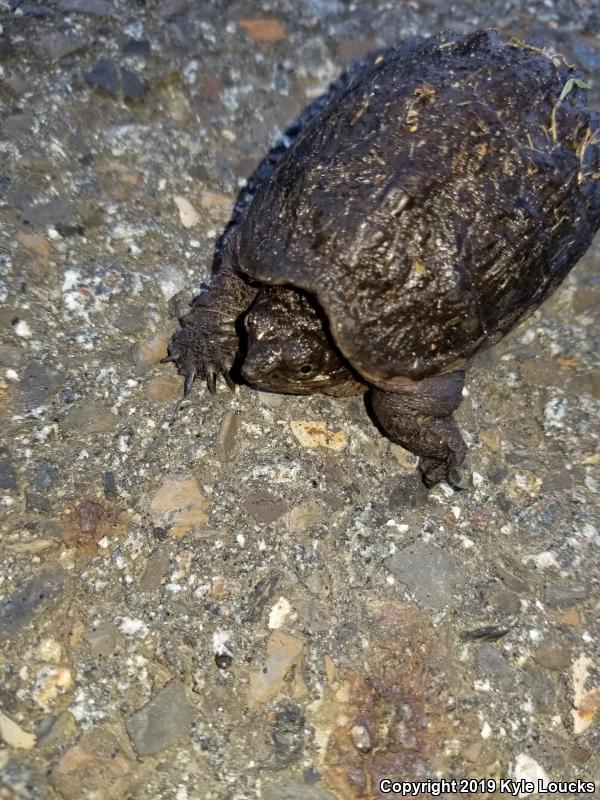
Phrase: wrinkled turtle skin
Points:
(431, 200)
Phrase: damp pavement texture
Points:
(254, 596)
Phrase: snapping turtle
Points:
(430, 202)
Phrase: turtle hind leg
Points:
(207, 345)
(420, 419)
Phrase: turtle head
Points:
(288, 350)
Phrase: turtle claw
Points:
(207, 344)
(230, 382)
(435, 470)
(211, 380)
(190, 377)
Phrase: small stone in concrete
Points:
(67, 229)
(13, 735)
(283, 651)
(361, 737)
(542, 690)
(179, 506)
(137, 47)
(18, 608)
(131, 319)
(35, 10)
(428, 572)
(56, 45)
(295, 790)
(95, 8)
(162, 722)
(97, 766)
(48, 214)
(40, 382)
(264, 508)
(35, 244)
(304, 516)
(43, 476)
(266, 30)
(491, 662)
(527, 768)
(570, 617)
(109, 484)
(10, 356)
(260, 596)
(37, 501)
(152, 350)
(557, 595)
(133, 86)
(313, 433)
(169, 8)
(505, 601)
(156, 568)
(287, 734)
(87, 418)
(188, 215)
(8, 478)
(102, 639)
(14, 82)
(552, 655)
(104, 77)
(50, 683)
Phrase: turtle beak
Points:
(260, 360)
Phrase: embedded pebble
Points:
(553, 656)
(279, 613)
(153, 349)
(13, 735)
(179, 506)
(429, 573)
(8, 478)
(104, 77)
(88, 418)
(586, 703)
(266, 29)
(312, 433)
(187, 213)
(99, 764)
(41, 592)
(102, 639)
(527, 768)
(97, 8)
(163, 722)
(56, 45)
(156, 569)
(283, 651)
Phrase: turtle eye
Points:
(306, 369)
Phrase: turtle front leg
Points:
(420, 419)
(208, 344)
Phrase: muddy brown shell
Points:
(433, 203)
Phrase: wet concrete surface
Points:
(212, 599)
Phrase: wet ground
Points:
(254, 596)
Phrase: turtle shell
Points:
(433, 202)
